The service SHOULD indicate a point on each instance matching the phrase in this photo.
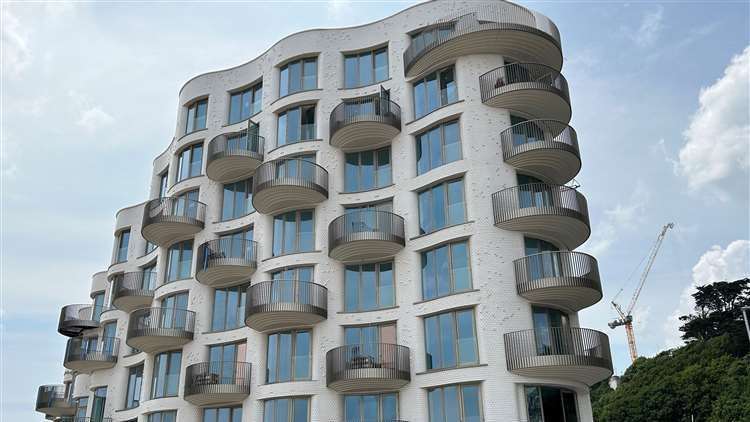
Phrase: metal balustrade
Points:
(75, 319)
(365, 234)
(279, 304)
(217, 382)
(86, 354)
(368, 367)
(132, 290)
(226, 261)
(235, 155)
(168, 219)
(288, 183)
(364, 122)
(155, 329)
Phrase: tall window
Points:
(434, 91)
(289, 356)
(245, 103)
(121, 253)
(163, 184)
(438, 146)
(540, 264)
(223, 414)
(460, 402)
(82, 405)
(166, 374)
(441, 206)
(551, 331)
(229, 308)
(290, 409)
(293, 232)
(226, 360)
(299, 75)
(135, 381)
(368, 336)
(365, 68)
(186, 204)
(174, 314)
(296, 124)
(99, 404)
(371, 407)
(180, 260)
(190, 162)
(533, 192)
(450, 339)
(238, 199)
(368, 287)
(149, 277)
(168, 416)
(445, 270)
(98, 306)
(196, 116)
(551, 404)
(367, 170)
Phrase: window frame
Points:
(379, 395)
(375, 166)
(155, 374)
(161, 414)
(372, 52)
(445, 183)
(454, 318)
(189, 161)
(232, 413)
(424, 81)
(451, 269)
(292, 355)
(283, 114)
(255, 90)
(301, 61)
(460, 396)
(241, 299)
(192, 108)
(297, 232)
(163, 183)
(428, 154)
(290, 412)
(180, 259)
(137, 391)
(247, 198)
(121, 247)
(377, 272)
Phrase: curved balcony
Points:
(82, 419)
(545, 148)
(87, 354)
(532, 89)
(226, 262)
(282, 304)
(504, 28)
(366, 122)
(234, 156)
(133, 290)
(211, 383)
(368, 367)
(575, 354)
(553, 212)
(52, 401)
(565, 279)
(166, 220)
(75, 319)
(288, 184)
(365, 235)
(156, 329)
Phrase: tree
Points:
(718, 309)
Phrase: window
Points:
(434, 91)
(365, 68)
(533, 192)
(245, 103)
(98, 306)
(229, 308)
(292, 409)
(149, 277)
(168, 416)
(150, 247)
(190, 162)
(227, 361)
(99, 403)
(427, 37)
(438, 146)
(223, 414)
(180, 260)
(135, 380)
(82, 405)
(299, 75)
(441, 206)
(551, 404)
(367, 170)
(296, 273)
(196, 116)
(238, 199)
(371, 407)
(293, 232)
(450, 403)
(163, 182)
(289, 355)
(539, 262)
(121, 251)
(166, 374)
(236, 245)
(445, 270)
(552, 331)
(186, 205)
(296, 124)
(451, 339)
(368, 287)
(368, 336)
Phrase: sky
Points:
(89, 97)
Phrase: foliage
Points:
(718, 310)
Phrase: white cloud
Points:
(94, 118)
(15, 39)
(714, 265)
(617, 219)
(718, 137)
(648, 31)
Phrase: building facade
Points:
(363, 224)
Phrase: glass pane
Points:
(436, 149)
(448, 91)
(257, 100)
(285, 357)
(370, 408)
(433, 93)
(302, 355)
(232, 306)
(429, 287)
(390, 407)
(381, 65)
(365, 69)
(420, 107)
(306, 242)
(552, 405)
(284, 82)
(367, 170)
(268, 411)
(456, 213)
(293, 125)
(351, 172)
(569, 403)
(467, 344)
(534, 404)
(452, 407)
(235, 108)
(350, 71)
(425, 212)
(200, 115)
(442, 271)
(278, 234)
(460, 266)
(432, 342)
(351, 288)
(247, 98)
(311, 74)
(308, 123)
(438, 207)
(190, 123)
(271, 358)
(281, 130)
(423, 153)
(351, 409)
(290, 231)
(295, 77)
(471, 402)
(435, 397)
(369, 287)
(452, 150)
(386, 290)
(384, 167)
(227, 209)
(301, 407)
(448, 340)
(282, 410)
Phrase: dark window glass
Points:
(367, 170)
(289, 409)
(445, 270)
(450, 339)
(551, 331)
(300, 75)
(368, 287)
(166, 374)
(533, 192)
(451, 403)
(237, 200)
(98, 306)
(229, 308)
(163, 182)
(99, 403)
(289, 356)
(550, 404)
(293, 232)
(441, 206)
(223, 414)
(135, 381)
(180, 260)
(438, 146)
(190, 162)
(196, 116)
(434, 91)
(296, 124)
(245, 103)
(123, 238)
(371, 407)
(365, 68)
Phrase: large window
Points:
(163, 184)
(445, 270)
(190, 162)
(539, 264)
(450, 339)
(371, 407)
(149, 277)
(82, 405)
(299, 75)
(296, 124)
(99, 404)
(533, 192)
(180, 260)
(293, 232)
(551, 404)
(426, 37)
(304, 273)
(166, 374)
(367, 336)
(289, 356)
(229, 308)
(438, 146)
(121, 251)
(365, 68)
(367, 170)
(369, 286)
(291, 409)
(451, 403)
(226, 360)
(434, 91)
(135, 381)
(98, 306)
(196, 116)
(552, 331)
(441, 206)
(168, 416)
(245, 103)
(238, 199)
(223, 414)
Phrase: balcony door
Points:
(173, 311)
(364, 341)
(223, 360)
(533, 192)
(551, 331)
(539, 264)
(97, 407)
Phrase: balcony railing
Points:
(365, 234)
(53, 400)
(90, 353)
(234, 155)
(133, 289)
(281, 304)
(288, 183)
(368, 367)
(385, 113)
(75, 319)
(531, 75)
(168, 219)
(226, 261)
(217, 382)
(152, 329)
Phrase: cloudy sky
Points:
(89, 98)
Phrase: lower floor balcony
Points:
(365, 235)
(75, 319)
(284, 304)
(286, 184)
(53, 401)
(368, 367)
(157, 329)
(133, 290)
(214, 383)
(226, 261)
(87, 354)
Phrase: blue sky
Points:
(660, 104)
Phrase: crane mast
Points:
(626, 316)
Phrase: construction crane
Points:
(626, 317)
